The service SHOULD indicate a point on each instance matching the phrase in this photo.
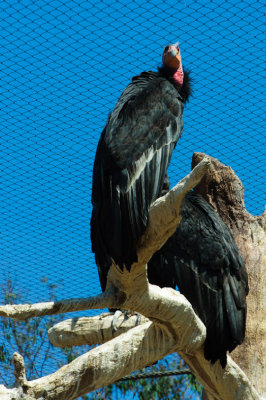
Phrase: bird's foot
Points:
(116, 324)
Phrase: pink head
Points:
(172, 59)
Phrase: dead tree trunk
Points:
(225, 192)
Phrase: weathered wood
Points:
(173, 326)
(92, 330)
(21, 312)
(135, 349)
(225, 192)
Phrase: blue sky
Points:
(63, 66)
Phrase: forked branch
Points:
(172, 325)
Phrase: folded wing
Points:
(130, 166)
(202, 259)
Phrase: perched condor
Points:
(132, 158)
(202, 259)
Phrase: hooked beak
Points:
(173, 53)
(172, 56)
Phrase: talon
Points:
(138, 319)
(115, 320)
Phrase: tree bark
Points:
(225, 192)
(92, 330)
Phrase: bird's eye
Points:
(167, 47)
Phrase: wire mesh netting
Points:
(63, 67)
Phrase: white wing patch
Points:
(138, 166)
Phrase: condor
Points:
(132, 158)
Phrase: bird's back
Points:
(130, 165)
(202, 259)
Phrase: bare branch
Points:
(19, 369)
(173, 325)
(22, 312)
(164, 214)
(164, 218)
(133, 350)
(230, 383)
(103, 365)
(92, 330)
(183, 333)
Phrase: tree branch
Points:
(141, 346)
(22, 312)
(164, 218)
(173, 325)
(92, 330)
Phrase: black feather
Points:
(130, 164)
(202, 259)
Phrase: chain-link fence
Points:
(63, 66)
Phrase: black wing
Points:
(202, 259)
(130, 165)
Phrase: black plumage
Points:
(129, 174)
(131, 161)
(202, 259)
